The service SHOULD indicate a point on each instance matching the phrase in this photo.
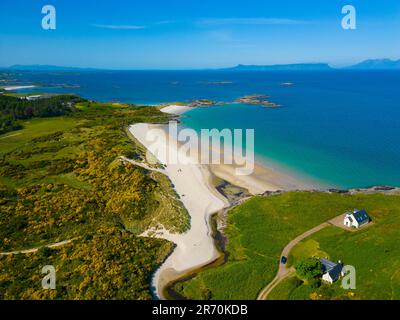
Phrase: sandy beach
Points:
(195, 247)
(175, 109)
(261, 180)
(192, 181)
(18, 88)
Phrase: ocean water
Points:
(338, 127)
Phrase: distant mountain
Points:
(282, 67)
(376, 64)
(372, 64)
(41, 67)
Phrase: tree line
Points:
(14, 109)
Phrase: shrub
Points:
(309, 268)
(206, 294)
(315, 283)
(45, 252)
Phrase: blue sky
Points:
(169, 34)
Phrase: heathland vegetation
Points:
(260, 228)
(61, 178)
(13, 109)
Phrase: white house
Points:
(356, 219)
(32, 98)
(331, 271)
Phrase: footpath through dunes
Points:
(192, 182)
(36, 249)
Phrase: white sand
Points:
(192, 182)
(174, 109)
(18, 87)
(261, 180)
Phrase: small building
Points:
(331, 271)
(356, 219)
(32, 98)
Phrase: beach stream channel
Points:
(235, 196)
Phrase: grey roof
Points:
(361, 216)
(332, 268)
(327, 265)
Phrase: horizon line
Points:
(190, 68)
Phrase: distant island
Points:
(371, 64)
(377, 64)
(258, 99)
(252, 99)
(282, 67)
(42, 67)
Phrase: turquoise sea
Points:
(339, 127)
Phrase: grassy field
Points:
(60, 179)
(34, 128)
(259, 229)
(373, 251)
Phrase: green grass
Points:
(69, 179)
(309, 248)
(34, 128)
(61, 178)
(259, 229)
(53, 151)
(285, 288)
(23, 141)
(373, 251)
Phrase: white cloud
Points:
(249, 21)
(165, 22)
(119, 27)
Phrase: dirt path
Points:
(283, 271)
(142, 165)
(33, 250)
(10, 136)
